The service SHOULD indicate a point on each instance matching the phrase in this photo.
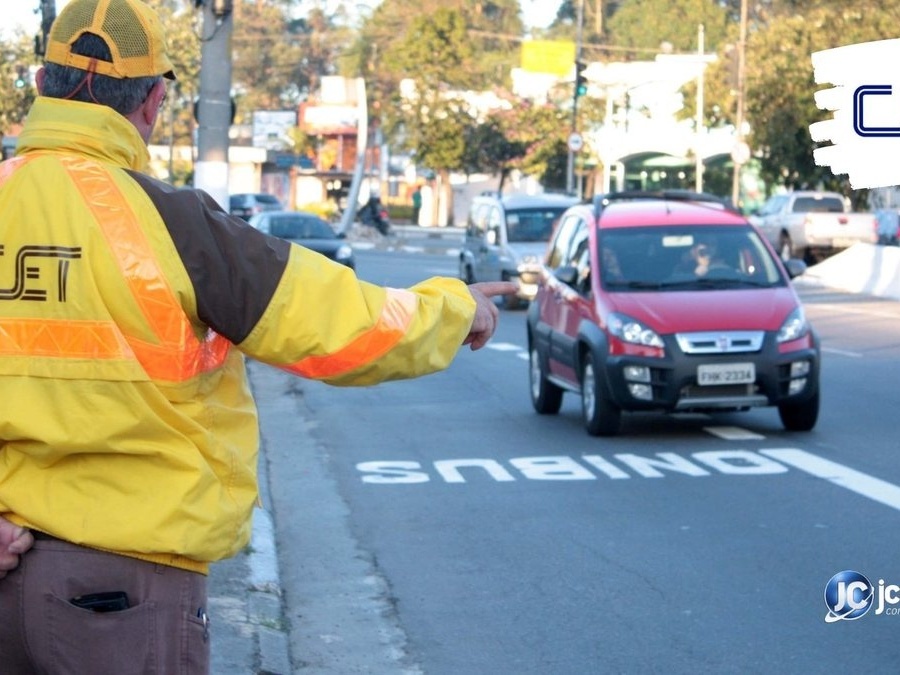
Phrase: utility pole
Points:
(48, 16)
(570, 166)
(698, 169)
(214, 111)
(740, 154)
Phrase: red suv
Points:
(669, 301)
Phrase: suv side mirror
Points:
(795, 267)
(568, 274)
(491, 237)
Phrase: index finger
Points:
(490, 288)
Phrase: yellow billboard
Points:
(556, 57)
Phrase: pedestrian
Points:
(128, 432)
(416, 204)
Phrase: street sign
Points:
(740, 154)
(575, 142)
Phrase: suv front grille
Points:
(720, 342)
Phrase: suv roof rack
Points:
(601, 200)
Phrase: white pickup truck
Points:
(810, 224)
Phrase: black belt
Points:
(43, 536)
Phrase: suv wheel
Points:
(785, 250)
(546, 397)
(465, 273)
(601, 416)
(800, 416)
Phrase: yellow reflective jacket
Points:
(126, 310)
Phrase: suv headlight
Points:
(794, 327)
(633, 331)
(344, 252)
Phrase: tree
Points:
(175, 126)
(490, 146)
(651, 24)
(781, 87)
(438, 53)
(17, 56)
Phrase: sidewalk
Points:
(248, 629)
(410, 238)
(337, 621)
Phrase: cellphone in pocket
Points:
(109, 601)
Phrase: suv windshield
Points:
(523, 225)
(685, 257)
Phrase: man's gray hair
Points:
(122, 95)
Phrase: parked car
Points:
(309, 230)
(247, 205)
(506, 236)
(669, 302)
(811, 224)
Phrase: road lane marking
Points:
(733, 433)
(845, 309)
(505, 347)
(845, 477)
(842, 352)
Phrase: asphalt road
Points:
(440, 526)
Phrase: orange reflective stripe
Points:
(77, 339)
(175, 354)
(178, 354)
(396, 315)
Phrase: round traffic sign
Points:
(740, 153)
(575, 141)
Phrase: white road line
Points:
(845, 477)
(867, 311)
(842, 352)
(734, 433)
(504, 347)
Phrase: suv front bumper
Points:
(673, 384)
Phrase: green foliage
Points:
(436, 49)
(438, 132)
(442, 46)
(649, 24)
(176, 122)
(17, 56)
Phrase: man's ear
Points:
(39, 80)
(153, 102)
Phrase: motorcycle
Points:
(375, 214)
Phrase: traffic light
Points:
(21, 75)
(580, 80)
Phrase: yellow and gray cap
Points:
(130, 28)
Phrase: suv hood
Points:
(692, 311)
(523, 249)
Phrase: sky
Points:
(535, 13)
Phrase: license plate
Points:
(712, 374)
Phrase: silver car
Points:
(506, 238)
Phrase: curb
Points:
(264, 601)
